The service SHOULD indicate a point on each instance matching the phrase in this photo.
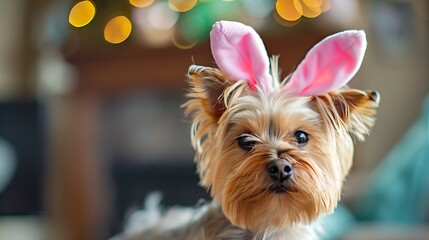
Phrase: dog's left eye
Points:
(245, 142)
(301, 137)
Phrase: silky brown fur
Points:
(221, 110)
(244, 207)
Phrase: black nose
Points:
(279, 170)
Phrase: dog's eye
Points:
(245, 142)
(301, 137)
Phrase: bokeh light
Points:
(313, 3)
(284, 22)
(180, 42)
(82, 13)
(117, 30)
(290, 10)
(326, 5)
(182, 5)
(162, 17)
(258, 8)
(293, 10)
(154, 25)
(141, 3)
(311, 8)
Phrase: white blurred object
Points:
(155, 24)
(22, 228)
(7, 163)
(343, 13)
(152, 219)
(161, 16)
(55, 76)
(147, 217)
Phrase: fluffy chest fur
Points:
(206, 222)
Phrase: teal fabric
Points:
(399, 188)
(337, 224)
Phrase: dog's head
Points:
(275, 154)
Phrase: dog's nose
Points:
(279, 170)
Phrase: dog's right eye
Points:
(245, 142)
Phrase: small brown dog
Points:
(273, 154)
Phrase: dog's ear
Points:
(206, 92)
(209, 94)
(352, 108)
(329, 65)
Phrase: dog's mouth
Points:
(280, 189)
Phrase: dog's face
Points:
(272, 160)
(276, 154)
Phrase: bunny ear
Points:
(330, 64)
(240, 53)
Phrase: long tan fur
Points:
(244, 206)
(238, 181)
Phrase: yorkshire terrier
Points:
(273, 154)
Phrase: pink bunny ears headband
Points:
(240, 53)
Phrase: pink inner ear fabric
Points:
(240, 53)
(329, 65)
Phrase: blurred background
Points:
(90, 117)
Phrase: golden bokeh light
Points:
(326, 5)
(141, 3)
(311, 12)
(284, 22)
(182, 5)
(290, 10)
(82, 13)
(313, 3)
(311, 8)
(117, 30)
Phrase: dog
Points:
(273, 154)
